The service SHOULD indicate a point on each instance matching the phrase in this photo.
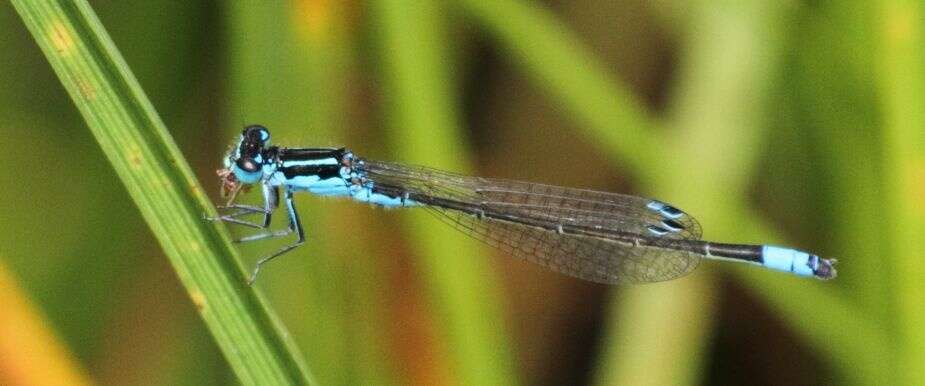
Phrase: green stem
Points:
(902, 84)
(164, 188)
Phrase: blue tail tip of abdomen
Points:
(798, 262)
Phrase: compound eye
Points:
(248, 165)
(256, 133)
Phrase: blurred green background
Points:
(797, 123)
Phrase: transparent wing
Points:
(595, 236)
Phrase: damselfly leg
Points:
(295, 225)
(270, 203)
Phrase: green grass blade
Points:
(460, 284)
(658, 334)
(902, 83)
(829, 92)
(163, 187)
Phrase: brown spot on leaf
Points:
(61, 38)
(86, 89)
(199, 300)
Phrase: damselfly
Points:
(596, 236)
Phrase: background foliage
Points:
(798, 123)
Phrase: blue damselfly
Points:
(596, 236)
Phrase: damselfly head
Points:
(246, 159)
